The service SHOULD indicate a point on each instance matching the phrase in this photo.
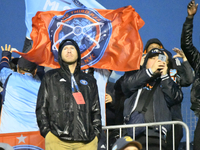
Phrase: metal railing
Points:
(159, 124)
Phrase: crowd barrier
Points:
(159, 124)
(33, 140)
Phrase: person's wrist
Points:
(7, 54)
(163, 73)
(184, 59)
(190, 16)
(153, 70)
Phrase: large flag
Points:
(23, 140)
(33, 6)
(108, 39)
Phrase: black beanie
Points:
(69, 42)
(151, 41)
(62, 45)
(26, 65)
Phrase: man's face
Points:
(131, 147)
(69, 54)
(151, 61)
(153, 45)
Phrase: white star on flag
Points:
(21, 139)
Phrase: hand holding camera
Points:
(164, 68)
(160, 65)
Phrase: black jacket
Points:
(167, 93)
(184, 76)
(184, 69)
(119, 101)
(193, 57)
(57, 110)
(110, 90)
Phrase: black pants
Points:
(197, 136)
(110, 117)
(153, 142)
(102, 141)
(178, 129)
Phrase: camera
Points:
(162, 57)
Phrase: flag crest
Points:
(87, 27)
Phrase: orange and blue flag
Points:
(24, 140)
(108, 39)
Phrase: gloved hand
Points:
(7, 52)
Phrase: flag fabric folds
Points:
(23, 140)
(108, 39)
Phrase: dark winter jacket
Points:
(139, 83)
(193, 57)
(57, 110)
(182, 75)
(119, 101)
(110, 90)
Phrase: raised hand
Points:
(164, 69)
(7, 51)
(192, 9)
(6, 48)
(179, 53)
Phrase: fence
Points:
(159, 124)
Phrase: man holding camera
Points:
(150, 92)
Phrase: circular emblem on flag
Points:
(87, 27)
(84, 82)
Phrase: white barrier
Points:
(172, 123)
